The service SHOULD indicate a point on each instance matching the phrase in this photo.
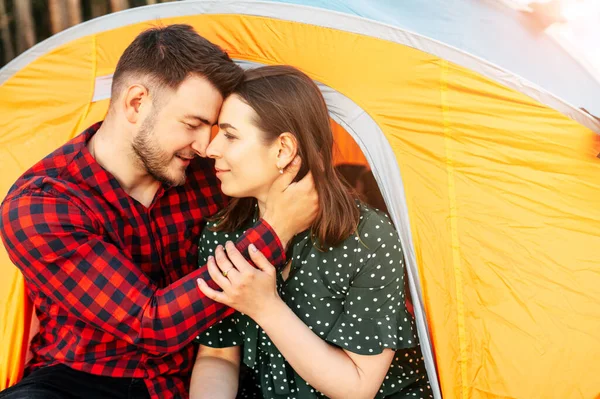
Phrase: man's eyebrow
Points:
(226, 126)
(199, 118)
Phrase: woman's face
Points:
(245, 165)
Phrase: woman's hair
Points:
(287, 100)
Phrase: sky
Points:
(580, 34)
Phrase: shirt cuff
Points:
(265, 240)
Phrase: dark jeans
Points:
(62, 382)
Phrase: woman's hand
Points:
(291, 207)
(248, 289)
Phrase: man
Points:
(105, 229)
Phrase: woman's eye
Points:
(229, 136)
(191, 127)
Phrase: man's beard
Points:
(155, 161)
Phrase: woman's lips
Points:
(220, 171)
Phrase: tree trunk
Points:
(118, 5)
(58, 15)
(150, 2)
(74, 12)
(99, 8)
(9, 53)
(25, 26)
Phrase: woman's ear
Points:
(287, 148)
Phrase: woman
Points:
(337, 324)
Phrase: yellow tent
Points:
(491, 178)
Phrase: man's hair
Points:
(165, 56)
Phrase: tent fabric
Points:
(485, 37)
(488, 30)
(499, 176)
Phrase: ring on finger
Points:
(227, 271)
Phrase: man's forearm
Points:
(181, 310)
(97, 281)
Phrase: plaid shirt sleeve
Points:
(61, 254)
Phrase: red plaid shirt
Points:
(114, 282)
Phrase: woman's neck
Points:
(261, 208)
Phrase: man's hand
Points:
(248, 289)
(291, 207)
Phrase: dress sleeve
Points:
(375, 316)
(222, 335)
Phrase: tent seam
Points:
(456, 261)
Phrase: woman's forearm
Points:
(215, 374)
(325, 367)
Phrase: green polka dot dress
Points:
(351, 295)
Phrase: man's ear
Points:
(136, 102)
(287, 149)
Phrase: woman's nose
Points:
(212, 150)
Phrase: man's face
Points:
(176, 129)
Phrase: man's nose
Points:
(201, 143)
